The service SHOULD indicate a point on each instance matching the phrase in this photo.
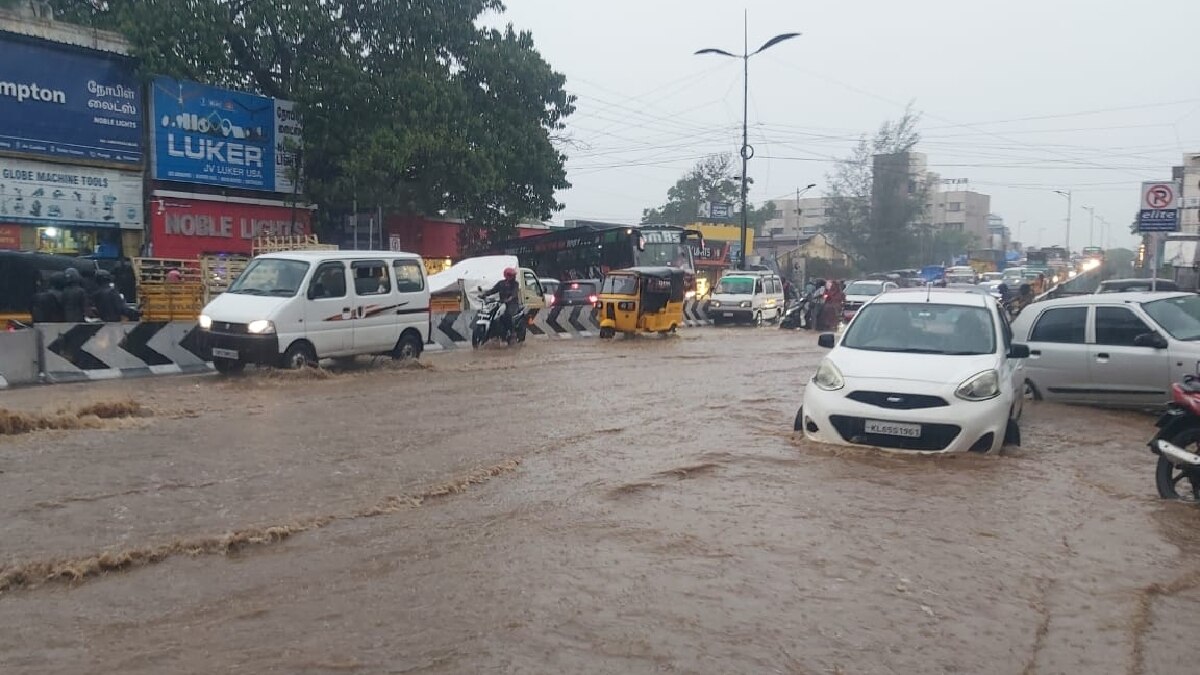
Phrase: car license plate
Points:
(893, 429)
(728, 315)
(225, 353)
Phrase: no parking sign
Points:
(1159, 207)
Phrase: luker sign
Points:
(214, 136)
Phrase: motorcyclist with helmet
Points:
(75, 300)
(109, 303)
(508, 290)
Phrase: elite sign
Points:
(203, 134)
(1159, 208)
(59, 102)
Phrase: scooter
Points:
(489, 325)
(797, 315)
(1177, 475)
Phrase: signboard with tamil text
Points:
(63, 102)
(203, 134)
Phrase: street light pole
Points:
(1091, 224)
(1067, 194)
(747, 151)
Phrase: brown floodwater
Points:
(575, 506)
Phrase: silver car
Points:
(1111, 349)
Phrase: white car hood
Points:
(859, 298)
(935, 368)
(239, 308)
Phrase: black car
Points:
(577, 292)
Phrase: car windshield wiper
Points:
(281, 291)
(906, 350)
(248, 291)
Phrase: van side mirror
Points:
(1018, 351)
(826, 340)
(1152, 340)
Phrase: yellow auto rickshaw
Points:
(642, 299)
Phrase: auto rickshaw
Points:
(642, 299)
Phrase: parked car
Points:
(1110, 349)
(858, 293)
(577, 292)
(926, 370)
(1134, 285)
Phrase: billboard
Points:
(185, 228)
(62, 102)
(40, 193)
(203, 134)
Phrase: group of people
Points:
(81, 294)
(825, 300)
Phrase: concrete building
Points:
(960, 211)
(805, 217)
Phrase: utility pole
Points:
(1067, 194)
(1091, 224)
(747, 151)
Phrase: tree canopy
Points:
(406, 105)
(710, 180)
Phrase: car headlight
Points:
(828, 377)
(260, 327)
(205, 322)
(980, 387)
(746, 304)
(716, 303)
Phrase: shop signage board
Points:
(58, 195)
(67, 103)
(213, 136)
(185, 228)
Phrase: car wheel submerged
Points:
(758, 320)
(299, 355)
(408, 348)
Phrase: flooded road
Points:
(575, 507)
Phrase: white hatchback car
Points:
(924, 370)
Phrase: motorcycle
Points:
(1176, 441)
(489, 325)
(797, 315)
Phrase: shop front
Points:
(69, 210)
(186, 225)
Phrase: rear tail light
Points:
(593, 299)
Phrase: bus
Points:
(1093, 253)
(590, 251)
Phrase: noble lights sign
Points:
(184, 228)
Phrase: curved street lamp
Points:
(747, 151)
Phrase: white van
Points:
(293, 308)
(749, 296)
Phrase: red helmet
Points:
(509, 273)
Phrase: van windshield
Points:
(271, 276)
(736, 286)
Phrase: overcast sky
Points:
(1022, 97)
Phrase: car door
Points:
(1012, 371)
(1122, 373)
(412, 301)
(328, 311)
(1057, 366)
(375, 326)
(532, 293)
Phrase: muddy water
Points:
(662, 519)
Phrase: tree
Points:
(406, 105)
(876, 200)
(710, 180)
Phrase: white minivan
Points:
(749, 296)
(293, 308)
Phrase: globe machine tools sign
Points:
(1159, 207)
(204, 134)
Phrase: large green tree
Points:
(712, 179)
(877, 201)
(406, 105)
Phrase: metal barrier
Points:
(19, 358)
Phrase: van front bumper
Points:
(242, 347)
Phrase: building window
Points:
(777, 213)
(776, 230)
(955, 206)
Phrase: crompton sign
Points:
(184, 228)
(1159, 208)
(203, 134)
(65, 102)
(40, 193)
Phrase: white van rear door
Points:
(375, 305)
(412, 310)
